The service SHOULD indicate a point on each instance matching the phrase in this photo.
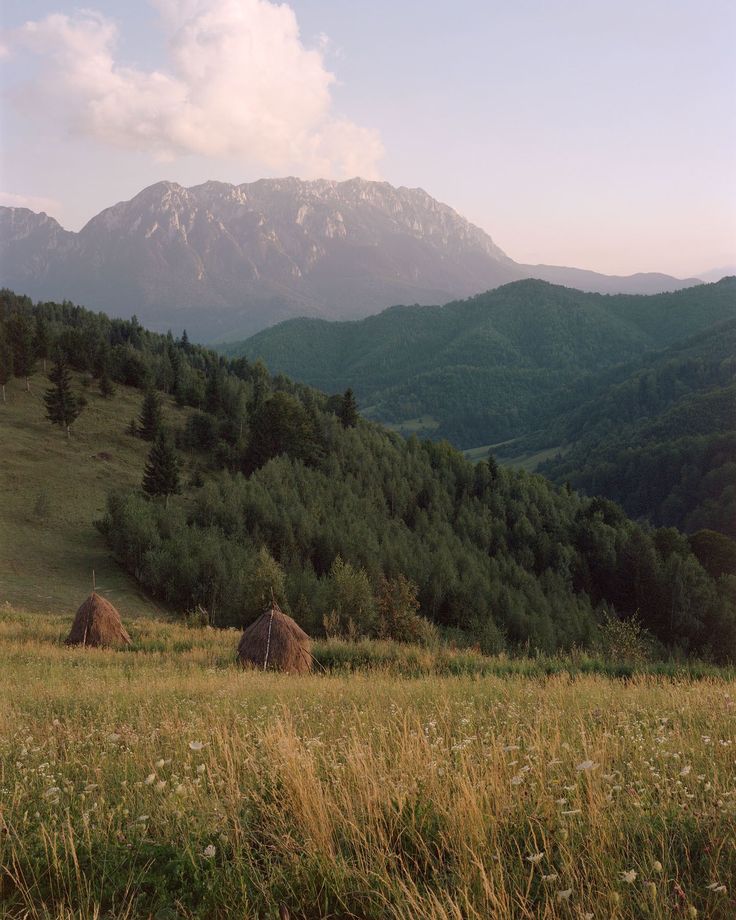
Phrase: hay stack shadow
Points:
(98, 624)
(276, 642)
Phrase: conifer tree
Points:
(161, 473)
(348, 410)
(107, 388)
(63, 407)
(149, 422)
(6, 364)
(21, 331)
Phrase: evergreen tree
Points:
(63, 407)
(21, 331)
(107, 388)
(6, 363)
(150, 419)
(348, 410)
(161, 473)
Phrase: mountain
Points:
(351, 526)
(225, 261)
(488, 368)
(659, 439)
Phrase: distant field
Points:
(166, 782)
(53, 489)
(528, 462)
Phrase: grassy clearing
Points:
(165, 782)
(53, 489)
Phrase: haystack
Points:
(277, 643)
(97, 623)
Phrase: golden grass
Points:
(168, 783)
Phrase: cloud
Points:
(11, 200)
(239, 83)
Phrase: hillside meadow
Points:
(165, 782)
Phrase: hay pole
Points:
(270, 624)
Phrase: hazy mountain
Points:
(489, 368)
(225, 261)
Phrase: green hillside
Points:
(52, 489)
(661, 439)
(489, 368)
(356, 531)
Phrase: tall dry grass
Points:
(168, 783)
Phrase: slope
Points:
(489, 368)
(355, 530)
(660, 439)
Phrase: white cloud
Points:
(239, 84)
(11, 200)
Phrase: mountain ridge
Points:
(226, 260)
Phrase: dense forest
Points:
(357, 530)
(659, 438)
(490, 368)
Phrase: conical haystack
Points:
(97, 623)
(277, 643)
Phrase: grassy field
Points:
(53, 489)
(164, 782)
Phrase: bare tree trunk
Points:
(28, 385)
(68, 433)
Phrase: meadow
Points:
(165, 782)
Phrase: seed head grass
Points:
(136, 783)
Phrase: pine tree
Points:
(348, 410)
(6, 363)
(149, 422)
(21, 331)
(62, 406)
(107, 388)
(161, 474)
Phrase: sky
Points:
(594, 133)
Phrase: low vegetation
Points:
(164, 781)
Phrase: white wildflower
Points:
(195, 745)
(535, 858)
(629, 876)
(150, 779)
(209, 851)
(564, 895)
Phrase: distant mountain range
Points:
(224, 261)
(492, 367)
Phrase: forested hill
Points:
(357, 531)
(486, 369)
(661, 438)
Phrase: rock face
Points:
(225, 261)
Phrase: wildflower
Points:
(629, 876)
(535, 858)
(573, 811)
(143, 818)
(564, 895)
(54, 790)
(685, 770)
(195, 745)
(517, 780)
(549, 878)
(209, 851)
(719, 889)
(652, 890)
(692, 911)
(180, 789)
(161, 784)
(113, 736)
(657, 865)
(201, 768)
(160, 763)
(150, 779)
(586, 765)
